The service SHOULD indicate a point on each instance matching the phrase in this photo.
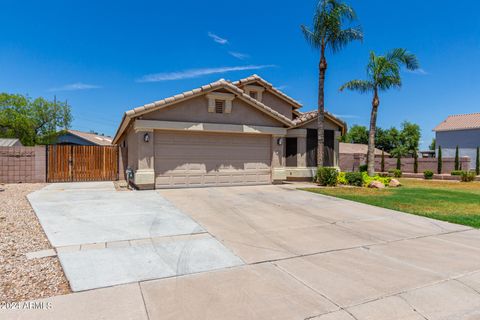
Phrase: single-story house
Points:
(353, 155)
(224, 133)
(80, 138)
(10, 142)
(461, 130)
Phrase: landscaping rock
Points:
(394, 183)
(376, 184)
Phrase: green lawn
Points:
(443, 200)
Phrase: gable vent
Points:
(219, 104)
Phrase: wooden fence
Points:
(82, 163)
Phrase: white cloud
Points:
(346, 116)
(217, 39)
(75, 86)
(282, 87)
(239, 55)
(418, 71)
(195, 73)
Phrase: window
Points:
(219, 104)
(254, 94)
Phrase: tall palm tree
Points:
(383, 73)
(328, 33)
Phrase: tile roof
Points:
(8, 142)
(351, 148)
(222, 83)
(460, 122)
(310, 115)
(268, 85)
(93, 137)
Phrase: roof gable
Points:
(220, 84)
(306, 117)
(269, 87)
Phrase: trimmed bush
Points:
(327, 176)
(382, 163)
(367, 179)
(354, 178)
(341, 178)
(477, 163)
(427, 174)
(397, 173)
(467, 176)
(363, 168)
(457, 159)
(439, 164)
(456, 173)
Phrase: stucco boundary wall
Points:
(23, 164)
(352, 162)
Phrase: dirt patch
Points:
(20, 233)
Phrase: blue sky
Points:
(105, 57)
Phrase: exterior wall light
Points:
(146, 137)
(279, 141)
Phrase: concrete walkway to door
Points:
(308, 257)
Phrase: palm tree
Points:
(383, 73)
(328, 33)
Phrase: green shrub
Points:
(456, 173)
(367, 179)
(327, 176)
(397, 173)
(467, 176)
(363, 168)
(341, 178)
(427, 174)
(354, 178)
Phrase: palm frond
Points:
(363, 86)
(404, 57)
(312, 38)
(339, 40)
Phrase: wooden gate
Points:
(82, 163)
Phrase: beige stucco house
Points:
(224, 133)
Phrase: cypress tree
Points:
(477, 163)
(382, 163)
(399, 163)
(415, 162)
(439, 168)
(457, 160)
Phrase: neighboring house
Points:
(7, 142)
(353, 148)
(353, 155)
(224, 133)
(80, 138)
(461, 130)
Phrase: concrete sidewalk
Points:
(309, 257)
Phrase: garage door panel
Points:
(209, 159)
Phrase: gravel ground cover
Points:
(20, 233)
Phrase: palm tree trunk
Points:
(322, 68)
(371, 135)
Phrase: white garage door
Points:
(185, 159)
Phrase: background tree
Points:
(356, 134)
(439, 160)
(387, 139)
(432, 146)
(383, 73)
(457, 159)
(328, 32)
(33, 121)
(410, 137)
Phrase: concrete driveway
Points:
(105, 237)
(307, 256)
